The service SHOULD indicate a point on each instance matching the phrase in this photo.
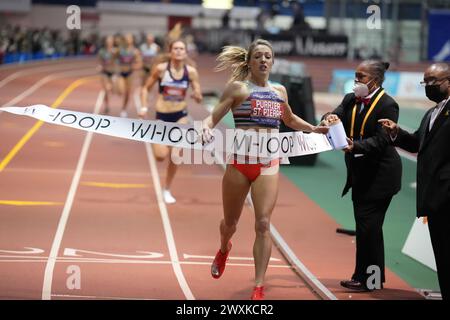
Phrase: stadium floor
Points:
(69, 201)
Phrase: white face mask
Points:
(361, 90)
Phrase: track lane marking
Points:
(30, 250)
(50, 265)
(97, 297)
(115, 185)
(192, 256)
(29, 203)
(11, 154)
(144, 254)
(34, 70)
(124, 261)
(41, 82)
(165, 215)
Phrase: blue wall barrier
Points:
(25, 57)
(439, 35)
(22, 57)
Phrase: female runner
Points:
(174, 78)
(259, 105)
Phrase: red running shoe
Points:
(218, 265)
(258, 293)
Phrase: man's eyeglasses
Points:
(431, 81)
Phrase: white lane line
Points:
(40, 83)
(86, 172)
(165, 215)
(307, 275)
(192, 256)
(30, 71)
(146, 254)
(30, 250)
(147, 262)
(50, 266)
(97, 297)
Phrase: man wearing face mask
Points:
(431, 142)
(373, 168)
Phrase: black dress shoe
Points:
(355, 285)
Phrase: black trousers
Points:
(439, 226)
(369, 218)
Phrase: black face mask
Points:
(434, 93)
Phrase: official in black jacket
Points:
(373, 168)
(432, 143)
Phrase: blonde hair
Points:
(237, 59)
(175, 33)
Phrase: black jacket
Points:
(433, 162)
(377, 173)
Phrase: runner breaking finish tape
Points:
(252, 144)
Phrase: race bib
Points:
(267, 108)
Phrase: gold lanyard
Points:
(365, 118)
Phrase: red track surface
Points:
(118, 227)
